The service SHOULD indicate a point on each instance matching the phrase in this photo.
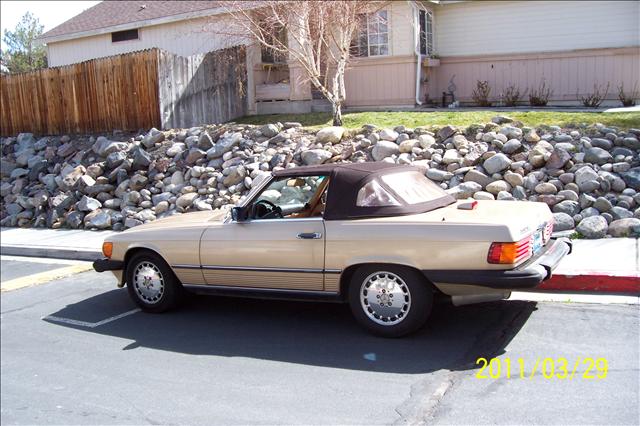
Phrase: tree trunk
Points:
(337, 114)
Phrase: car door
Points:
(285, 253)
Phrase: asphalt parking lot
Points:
(77, 351)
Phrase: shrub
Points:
(540, 96)
(481, 93)
(627, 100)
(594, 99)
(512, 95)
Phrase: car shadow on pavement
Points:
(320, 334)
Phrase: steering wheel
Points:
(265, 209)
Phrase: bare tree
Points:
(319, 37)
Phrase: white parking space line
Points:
(70, 321)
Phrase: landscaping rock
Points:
(331, 135)
(593, 227)
(623, 228)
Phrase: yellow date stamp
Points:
(550, 368)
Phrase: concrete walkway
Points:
(54, 243)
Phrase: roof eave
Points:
(132, 25)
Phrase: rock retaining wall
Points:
(589, 176)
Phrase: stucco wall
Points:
(500, 27)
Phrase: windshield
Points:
(410, 187)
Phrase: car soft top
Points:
(347, 179)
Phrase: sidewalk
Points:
(609, 265)
(54, 243)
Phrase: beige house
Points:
(417, 51)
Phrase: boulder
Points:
(269, 130)
(384, 149)
(97, 219)
(511, 146)
(88, 204)
(153, 137)
(496, 164)
(562, 222)
(315, 156)
(593, 227)
(331, 135)
(569, 207)
(388, 135)
(498, 186)
(224, 144)
(439, 175)
(622, 228)
(426, 141)
(186, 200)
(235, 176)
(558, 159)
(632, 178)
(464, 190)
(141, 159)
(597, 156)
(586, 179)
(446, 132)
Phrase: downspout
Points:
(416, 46)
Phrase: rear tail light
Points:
(510, 252)
(548, 230)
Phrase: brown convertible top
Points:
(346, 181)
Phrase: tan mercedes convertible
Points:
(379, 236)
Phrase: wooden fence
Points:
(208, 88)
(132, 91)
(118, 92)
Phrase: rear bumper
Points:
(106, 264)
(527, 275)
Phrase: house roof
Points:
(117, 15)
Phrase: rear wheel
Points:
(151, 283)
(389, 300)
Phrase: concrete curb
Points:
(597, 283)
(50, 252)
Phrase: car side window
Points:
(292, 197)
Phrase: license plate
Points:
(537, 241)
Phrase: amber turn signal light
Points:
(107, 249)
(506, 253)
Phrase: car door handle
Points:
(310, 235)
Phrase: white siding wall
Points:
(182, 38)
(401, 26)
(497, 27)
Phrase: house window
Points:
(373, 35)
(124, 35)
(278, 38)
(426, 32)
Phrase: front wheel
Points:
(390, 301)
(151, 283)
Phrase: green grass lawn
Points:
(355, 120)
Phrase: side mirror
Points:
(238, 214)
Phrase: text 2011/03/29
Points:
(549, 368)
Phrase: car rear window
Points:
(374, 195)
(406, 187)
(413, 187)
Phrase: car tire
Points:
(390, 300)
(151, 283)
